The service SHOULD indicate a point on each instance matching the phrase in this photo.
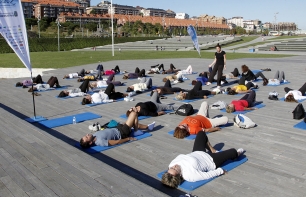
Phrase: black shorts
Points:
(124, 130)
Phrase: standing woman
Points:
(219, 63)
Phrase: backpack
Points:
(218, 105)
(185, 110)
(243, 122)
(273, 96)
(299, 112)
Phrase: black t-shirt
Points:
(220, 58)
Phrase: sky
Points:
(264, 10)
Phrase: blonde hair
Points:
(179, 96)
(230, 109)
(171, 180)
(290, 98)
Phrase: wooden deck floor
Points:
(35, 161)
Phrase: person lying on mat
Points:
(197, 93)
(115, 70)
(191, 125)
(295, 95)
(102, 83)
(26, 83)
(232, 75)
(167, 89)
(151, 108)
(171, 70)
(245, 103)
(203, 163)
(53, 81)
(156, 69)
(278, 78)
(114, 136)
(81, 91)
(178, 77)
(250, 76)
(76, 75)
(107, 96)
(89, 77)
(137, 74)
(243, 87)
(143, 85)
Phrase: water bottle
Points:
(74, 120)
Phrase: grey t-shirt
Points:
(103, 136)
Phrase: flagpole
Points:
(33, 97)
(112, 21)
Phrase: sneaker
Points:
(175, 82)
(139, 78)
(222, 82)
(265, 81)
(151, 126)
(131, 94)
(91, 127)
(217, 90)
(240, 151)
(208, 83)
(285, 81)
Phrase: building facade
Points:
(157, 12)
(182, 16)
(237, 20)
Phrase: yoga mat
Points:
(61, 88)
(35, 119)
(95, 104)
(57, 122)
(189, 101)
(245, 111)
(123, 116)
(300, 125)
(192, 137)
(191, 73)
(152, 88)
(283, 99)
(228, 166)
(287, 82)
(97, 149)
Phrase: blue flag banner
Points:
(193, 34)
(13, 29)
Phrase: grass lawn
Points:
(244, 40)
(286, 37)
(70, 59)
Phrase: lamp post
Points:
(275, 28)
(112, 21)
(38, 20)
(58, 38)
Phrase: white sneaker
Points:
(151, 126)
(222, 82)
(139, 78)
(240, 151)
(285, 81)
(175, 82)
(217, 90)
(208, 83)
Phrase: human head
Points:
(30, 90)
(172, 177)
(129, 89)
(180, 96)
(63, 94)
(165, 79)
(86, 100)
(66, 76)
(125, 77)
(80, 79)
(230, 108)
(193, 82)
(231, 91)
(244, 68)
(86, 141)
(290, 98)
(218, 47)
(18, 84)
(181, 132)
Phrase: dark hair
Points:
(127, 113)
(180, 133)
(231, 92)
(194, 82)
(18, 84)
(30, 90)
(84, 144)
(85, 101)
(244, 68)
(80, 79)
(62, 94)
(290, 98)
(218, 46)
(129, 89)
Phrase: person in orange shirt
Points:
(191, 125)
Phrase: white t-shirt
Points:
(75, 92)
(296, 94)
(73, 75)
(140, 87)
(100, 97)
(101, 84)
(42, 87)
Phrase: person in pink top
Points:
(245, 103)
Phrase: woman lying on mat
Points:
(196, 93)
(167, 89)
(137, 74)
(107, 96)
(77, 74)
(115, 70)
(191, 125)
(232, 75)
(203, 163)
(243, 87)
(158, 69)
(81, 91)
(178, 77)
(114, 136)
(294, 95)
(171, 70)
(53, 81)
(143, 85)
(26, 83)
(89, 77)
(250, 76)
(278, 78)
(245, 103)
(102, 83)
(151, 108)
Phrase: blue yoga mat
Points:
(256, 71)
(61, 88)
(95, 104)
(261, 105)
(192, 137)
(35, 119)
(300, 125)
(57, 122)
(152, 88)
(283, 99)
(97, 149)
(189, 101)
(280, 84)
(228, 166)
(123, 116)
(191, 73)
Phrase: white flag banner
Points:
(193, 34)
(13, 29)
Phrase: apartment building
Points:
(156, 12)
(212, 19)
(182, 16)
(237, 21)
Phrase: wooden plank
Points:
(13, 187)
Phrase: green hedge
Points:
(50, 44)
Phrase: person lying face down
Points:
(191, 125)
(114, 136)
(202, 163)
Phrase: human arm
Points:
(161, 113)
(77, 94)
(250, 108)
(224, 61)
(213, 63)
(197, 175)
(115, 142)
(211, 129)
(242, 92)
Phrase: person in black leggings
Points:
(171, 70)
(167, 89)
(136, 74)
(84, 88)
(200, 164)
(247, 102)
(195, 93)
(250, 76)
